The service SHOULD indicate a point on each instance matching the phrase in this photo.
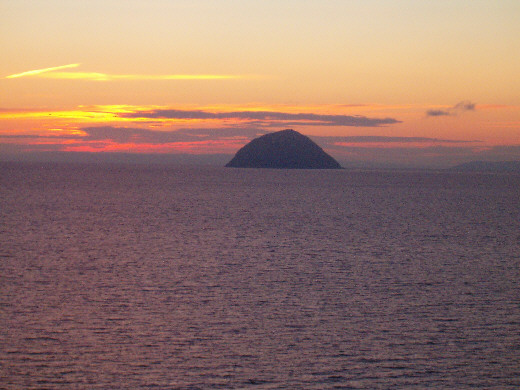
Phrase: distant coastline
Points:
(488, 166)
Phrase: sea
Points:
(198, 277)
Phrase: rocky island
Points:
(286, 149)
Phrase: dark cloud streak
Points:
(460, 107)
(384, 139)
(139, 135)
(142, 135)
(267, 116)
(465, 106)
(438, 113)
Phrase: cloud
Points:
(233, 135)
(142, 135)
(384, 139)
(139, 135)
(140, 140)
(38, 72)
(437, 113)
(96, 76)
(268, 118)
(458, 108)
(464, 106)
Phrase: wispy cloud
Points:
(53, 73)
(233, 136)
(464, 106)
(142, 135)
(164, 118)
(362, 139)
(136, 140)
(268, 117)
(452, 111)
(94, 76)
(39, 72)
(438, 113)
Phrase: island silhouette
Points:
(286, 149)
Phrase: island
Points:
(286, 149)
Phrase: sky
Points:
(383, 83)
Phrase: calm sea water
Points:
(201, 278)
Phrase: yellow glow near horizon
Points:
(69, 114)
(37, 72)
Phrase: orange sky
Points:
(435, 82)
